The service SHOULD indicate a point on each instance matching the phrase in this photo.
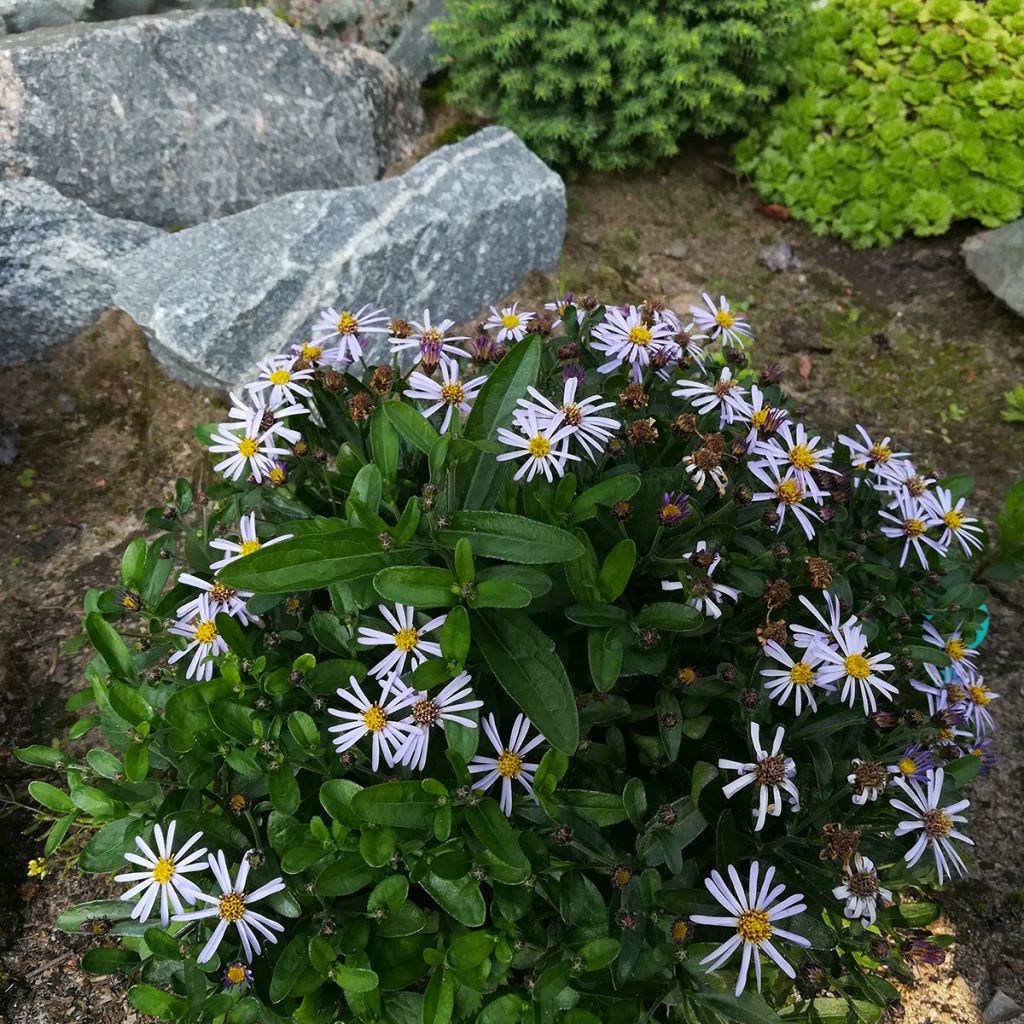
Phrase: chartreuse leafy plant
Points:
(607, 84)
(903, 116)
(622, 697)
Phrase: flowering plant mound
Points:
(554, 674)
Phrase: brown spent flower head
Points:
(819, 572)
(684, 425)
(331, 380)
(567, 353)
(840, 843)
(382, 380)
(361, 406)
(400, 328)
(776, 593)
(868, 775)
(633, 396)
(707, 457)
(642, 432)
(773, 630)
(622, 510)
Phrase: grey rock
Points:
(778, 256)
(996, 259)
(124, 8)
(415, 49)
(176, 118)
(458, 230)
(25, 15)
(55, 266)
(1001, 1008)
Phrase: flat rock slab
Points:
(458, 230)
(996, 259)
(56, 256)
(24, 15)
(176, 118)
(416, 49)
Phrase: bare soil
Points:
(901, 340)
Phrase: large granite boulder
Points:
(56, 256)
(415, 50)
(25, 15)
(176, 118)
(996, 259)
(458, 230)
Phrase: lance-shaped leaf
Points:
(511, 538)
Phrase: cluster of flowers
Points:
(831, 658)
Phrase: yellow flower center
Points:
(425, 712)
(406, 639)
(572, 415)
(280, 377)
(431, 334)
(539, 446)
(453, 393)
(509, 765)
(724, 318)
(880, 452)
(953, 520)
(374, 718)
(232, 906)
(914, 527)
(937, 824)
(347, 323)
(247, 547)
(760, 417)
(248, 447)
(956, 648)
(206, 632)
(907, 766)
(680, 930)
(220, 593)
(277, 476)
(163, 870)
(311, 353)
(977, 695)
(801, 674)
(670, 510)
(235, 974)
(509, 320)
(754, 926)
(945, 735)
(640, 336)
(802, 457)
(856, 665)
(621, 877)
(789, 492)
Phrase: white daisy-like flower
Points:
(545, 448)
(755, 913)
(725, 395)
(232, 906)
(309, 352)
(798, 677)
(163, 876)
(249, 448)
(627, 336)
(431, 340)
(706, 593)
(247, 544)
(975, 706)
(560, 305)
(950, 516)
(347, 326)
(807, 636)
(510, 323)
(900, 478)
(688, 337)
(376, 718)
(851, 661)
(703, 465)
(222, 598)
(771, 771)
(868, 779)
(868, 454)
(788, 494)
(509, 765)
(430, 710)
(579, 416)
(721, 322)
(204, 640)
(798, 456)
(268, 419)
(406, 642)
(448, 393)
(910, 523)
(760, 414)
(861, 890)
(284, 383)
(954, 646)
(937, 824)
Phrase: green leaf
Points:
(605, 493)
(384, 444)
(501, 594)
(336, 797)
(355, 979)
(162, 944)
(523, 659)
(283, 788)
(74, 917)
(461, 898)
(422, 586)
(154, 1002)
(129, 704)
(309, 562)
(601, 809)
(347, 875)
(367, 487)
(376, 846)
(108, 960)
(132, 563)
(111, 647)
(136, 762)
(398, 804)
(511, 538)
(604, 654)
(617, 569)
(39, 756)
(492, 409)
(664, 615)
(50, 797)
(439, 998)
(470, 950)
(291, 962)
(105, 851)
(507, 1009)
(411, 425)
(454, 635)
(500, 840)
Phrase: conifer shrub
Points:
(903, 116)
(608, 84)
(562, 676)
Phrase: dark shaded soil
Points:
(902, 340)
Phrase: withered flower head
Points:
(382, 380)
(684, 424)
(819, 572)
(634, 397)
(361, 406)
(840, 843)
(642, 432)
(773, 630)
(776, 592)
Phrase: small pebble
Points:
(1001, 1008)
